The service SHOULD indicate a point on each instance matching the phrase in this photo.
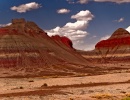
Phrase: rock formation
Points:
(120, 37)
(117, 47)
(24, 45)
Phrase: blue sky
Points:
(85, 22)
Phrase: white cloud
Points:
(77, 1)
(26, 7)
(63, 11)
(70, 1)
(128, 28)
(4, 25)
(116, 1)
(105, 37)
(83, 1)
(83, 15)
(73, 34)
(78, 25)
(86, 1)
(76, 30)
(120, 20)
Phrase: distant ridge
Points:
(115, 48)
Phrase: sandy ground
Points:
(100, 87)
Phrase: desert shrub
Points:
(128, 94)
(31, 81)
(90, 91)
(123, 92)
(101, 96)
(127, 98)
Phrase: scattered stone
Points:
(21, 87)
(31, 81)
(44, 85)
(123, 92)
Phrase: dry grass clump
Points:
(126, 98)
(102, 96)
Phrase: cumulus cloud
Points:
(73, 34)
(4, 25)
(78, 25)
(26, 7)
(120, 20)
(83, 15)
(63, 11)
(76, 30)
(116, 1)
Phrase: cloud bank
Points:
(116, 1)
(76, 30)
(26, 7)
(86, 1)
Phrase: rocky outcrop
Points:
(64, 40)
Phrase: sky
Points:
(85, 22)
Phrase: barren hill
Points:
(26, 47)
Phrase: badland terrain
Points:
(34, 66)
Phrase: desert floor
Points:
(110, 86)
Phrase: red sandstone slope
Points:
(24, 45)
(120, 37)
(63, 41)
(119, 42)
